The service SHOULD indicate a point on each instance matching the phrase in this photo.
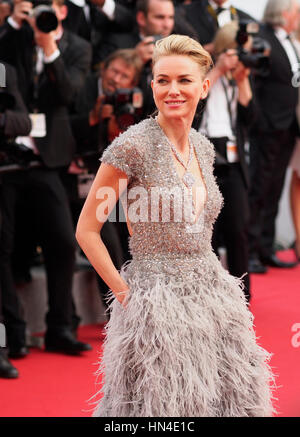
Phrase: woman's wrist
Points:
(121, 294)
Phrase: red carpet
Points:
(276, 308)
(54, 385)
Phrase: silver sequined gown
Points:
(184, 346)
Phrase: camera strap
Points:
(230, 101)
(231, 146)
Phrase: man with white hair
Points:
(273, 138)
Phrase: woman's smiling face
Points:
(177, 86)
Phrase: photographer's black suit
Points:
(16, 122)
(57, 86)
(94, 139)
(77, 22)
(115, 41)
(204, 23)
(271, 145)
(42, 187)
(88, 138)
(98, 25)
(231, 227)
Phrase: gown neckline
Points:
(172, 167)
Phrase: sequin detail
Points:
(184, 346)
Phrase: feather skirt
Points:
(183, 346)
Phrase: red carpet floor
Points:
(54, 385)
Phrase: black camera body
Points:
(7, 100)
(258, 57)
(127, 106)
(44, 14)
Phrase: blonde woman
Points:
(180, 340)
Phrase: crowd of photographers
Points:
(76, 73)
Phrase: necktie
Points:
(219, 10)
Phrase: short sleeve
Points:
(210, 152)
(207, 148)
(123, 154)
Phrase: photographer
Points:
(207, 16)
(93, 19)
(107, 105)
(273, 137)
(14, 121)
(94, 124)
(51, 65)
(228, 113)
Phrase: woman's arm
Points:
(101, 200)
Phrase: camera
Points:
(44, 14)
(127, 106)
(258, 57)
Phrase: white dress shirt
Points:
(216, 118)
(108, 8)
(224, 17)
(41, 60)
(281, 35)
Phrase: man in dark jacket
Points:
(94, 19)
(273, 136)
(51, 68)
(14, 121)
(229, 111)
(207, 16)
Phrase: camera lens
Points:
(45, 18)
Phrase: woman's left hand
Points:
(122, 297)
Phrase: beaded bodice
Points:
(157, 203)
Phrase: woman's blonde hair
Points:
(185, 46)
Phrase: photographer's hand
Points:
(241, 75)
(226, 62)
(21, 11)
(100, 111)
(145, 49)
(45, 40)
(106, 111)
(94, 115)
